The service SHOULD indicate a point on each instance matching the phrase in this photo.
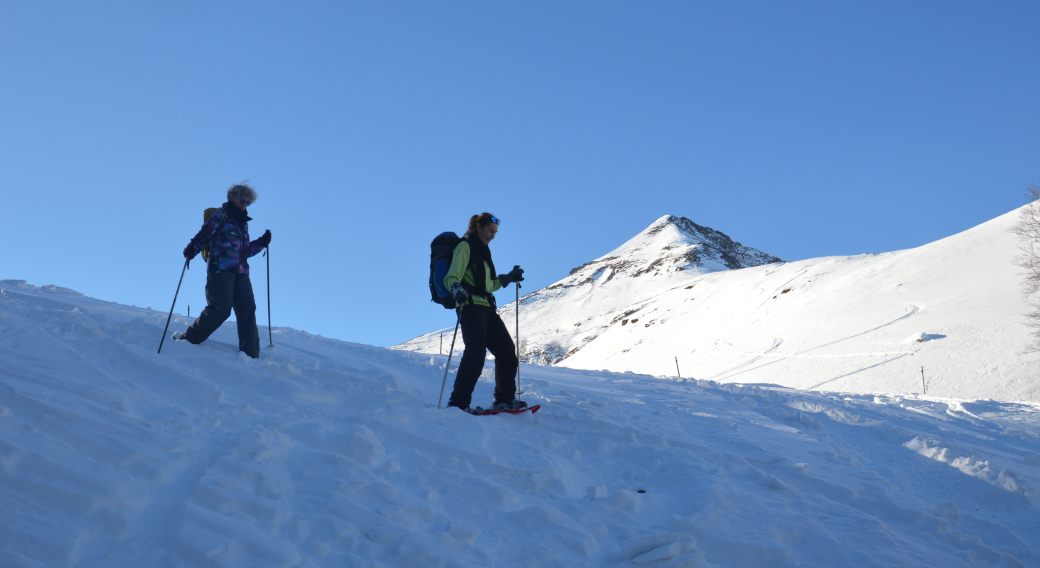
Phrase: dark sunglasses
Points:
(244, 203)
(496, 220)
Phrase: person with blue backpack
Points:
(471, 282)
(224, 243)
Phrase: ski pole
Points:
(450, 352)
(519, 391)
(267, 253)
(177, 293)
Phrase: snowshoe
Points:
(481, 412)
(510, 405)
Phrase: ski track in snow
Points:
(908, 315)
(754, 358)
(325, 453)
(874, 366)
(732, 372)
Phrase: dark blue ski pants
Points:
(482, 331)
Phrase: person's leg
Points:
(245, 313)
(220, 291)
(474, 333)
(501, 345)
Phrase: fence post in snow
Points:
(924, 386)
(677, 367)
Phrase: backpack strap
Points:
(221, 227)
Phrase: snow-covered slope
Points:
(867, 323)
(837, 324)
(558, 321)
(324, 453)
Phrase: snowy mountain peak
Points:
(671, 244)
(671, 231)
(566, 316)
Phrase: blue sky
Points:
(803, 129)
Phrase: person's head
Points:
(484, 226)
(241, 195)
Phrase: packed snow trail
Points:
(325, 453)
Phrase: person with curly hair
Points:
(225, 239)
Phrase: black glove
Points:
(190, 252)
(515, 275)
(459, 293)
(265, 239)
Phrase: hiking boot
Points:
(511, 405)
(465, 409)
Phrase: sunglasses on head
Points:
(496, 220)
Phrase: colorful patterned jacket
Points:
(228, 237)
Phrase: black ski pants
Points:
(227, 290)
(483, 330)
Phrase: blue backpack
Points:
(441, 250)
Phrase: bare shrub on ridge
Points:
(1028, 230)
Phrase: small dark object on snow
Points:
(641, 491)
(785, 291)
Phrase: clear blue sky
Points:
(803, 129)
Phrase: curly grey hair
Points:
(241, 191)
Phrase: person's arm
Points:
(258, 245)
(459, 263)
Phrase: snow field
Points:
(325, 453)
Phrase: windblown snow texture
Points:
(330, 454)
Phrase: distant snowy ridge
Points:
(562, 318)
(947, 317)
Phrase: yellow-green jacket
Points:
(461, 271)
